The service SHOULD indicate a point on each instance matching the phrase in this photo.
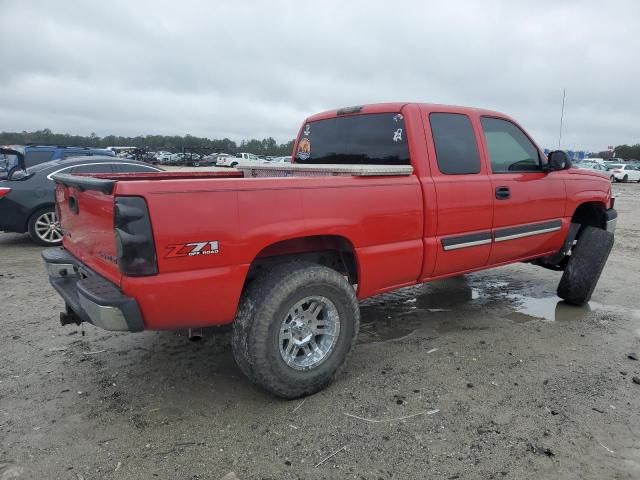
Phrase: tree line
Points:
(175, 143)
(626, 152)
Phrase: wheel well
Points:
(332, 251)
(591, 213)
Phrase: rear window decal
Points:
(304, 149)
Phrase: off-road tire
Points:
(263, 307)
(585, 265)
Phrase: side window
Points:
(35, 157)
(128, 168)
(75, 154)
(93, 168)
(509, 148)
(456, 147)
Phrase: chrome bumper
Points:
(90, 297)
(612, 219)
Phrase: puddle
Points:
(397, 315)
(547, 308)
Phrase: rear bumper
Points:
(89, 296)
(612, 219)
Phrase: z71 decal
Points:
(192, 249)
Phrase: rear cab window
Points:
(367, 139)
(455, 143)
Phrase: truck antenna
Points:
(561, 118)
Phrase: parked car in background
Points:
(249, 157)
(226, 160)
(27, 197)
(210, 159)
(286, 159)
(593, 166)
(37, 154)
(621, 172)
(163, 156)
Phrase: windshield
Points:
(371, 139)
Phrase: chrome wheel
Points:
(309, 332)
(47, 228)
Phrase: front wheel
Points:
(44, 228)
(585, 265)
(625, 179)
(295, 328)
(233, 165)
(612, 178)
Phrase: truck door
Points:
(463, 194)
(528, 203)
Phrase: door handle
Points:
(502, 193)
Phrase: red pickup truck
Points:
(377, 198)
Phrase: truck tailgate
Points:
(86, 218)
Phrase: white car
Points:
(226, 160)
(286, 159)
(593, 166)
(163, 157)
(623, 173)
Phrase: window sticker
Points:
(307, 130)
(304, 149)
(398, 117)
(397, 135)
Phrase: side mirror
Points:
(558, 160)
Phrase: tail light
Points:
(4, 191)
(134, 238)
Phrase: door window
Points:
(455, 142)
(36, 157)
(510, 150)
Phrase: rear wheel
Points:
(612, 178)
(233, 165)
(585, 265)
(295, 328)
(44, 228)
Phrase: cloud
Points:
(254, 69)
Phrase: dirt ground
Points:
(485, 376)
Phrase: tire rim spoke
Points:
(309, 332)
(47, 228)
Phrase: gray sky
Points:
(256, 69)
